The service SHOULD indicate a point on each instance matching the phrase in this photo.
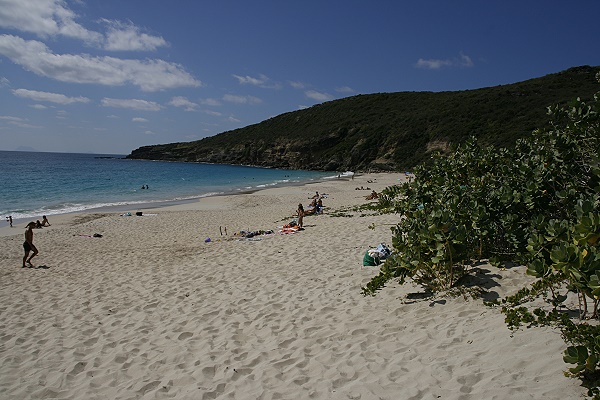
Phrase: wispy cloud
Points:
(262, 81)
(16, 121)
(180, 101)
(139, 119)
(318, 96)
(212, 113)
(210, 102)
(231, 98)
(148, 75)
(297, 85)
(462, 61)
(344, 89)
(121, 36)
(49, 97)
(135, 104)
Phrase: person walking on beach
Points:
(300, 215)
(28, 245)
(9, 219)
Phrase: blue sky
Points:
(109, 76)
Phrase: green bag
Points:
(369, 261)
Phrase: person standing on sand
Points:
(300, 215)
(28, 244)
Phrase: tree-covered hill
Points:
(386, 131)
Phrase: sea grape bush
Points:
(536, 204)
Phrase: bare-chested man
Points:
(28, 244)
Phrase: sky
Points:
(109, 76)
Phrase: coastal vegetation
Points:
(386, 131)
(536, 204)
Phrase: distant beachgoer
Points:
(319, 206)
(9, 220)
(45, 221)
(373, 195)
(28, 245)
(316, 196)
(300, 215)
(38, 224)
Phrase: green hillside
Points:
(386, 131)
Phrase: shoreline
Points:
(153, 310)
(5, 229)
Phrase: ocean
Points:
(35, 184)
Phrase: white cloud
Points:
(210, 102)
(233, 119)
(212, 113)
(344, 89)
(139, 119)
(20, 122)
(180, 101)
(231, 98)
(248, 80)
(432, 64)
(141, 105)
(262, 81)
(38, 106)
(49, 18)
(128, 37)
(148, 75)
(297, 85)
(4, 82)
(44, 18)
(462, 61)
(318, 96)
(11, 119)
(149, 133)
(49, 97)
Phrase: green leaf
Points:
(575, 355)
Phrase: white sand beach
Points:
(150, 310)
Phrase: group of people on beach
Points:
(315, 207)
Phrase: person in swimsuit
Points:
(45, 221)
(28, 245)
(300, 215)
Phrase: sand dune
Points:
(152, 311)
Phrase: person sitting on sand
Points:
(28, 244)
(45, 221)
(316, 196)
(319, 207)
(373, 195)
(38, 224)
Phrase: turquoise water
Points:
(35, 184)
